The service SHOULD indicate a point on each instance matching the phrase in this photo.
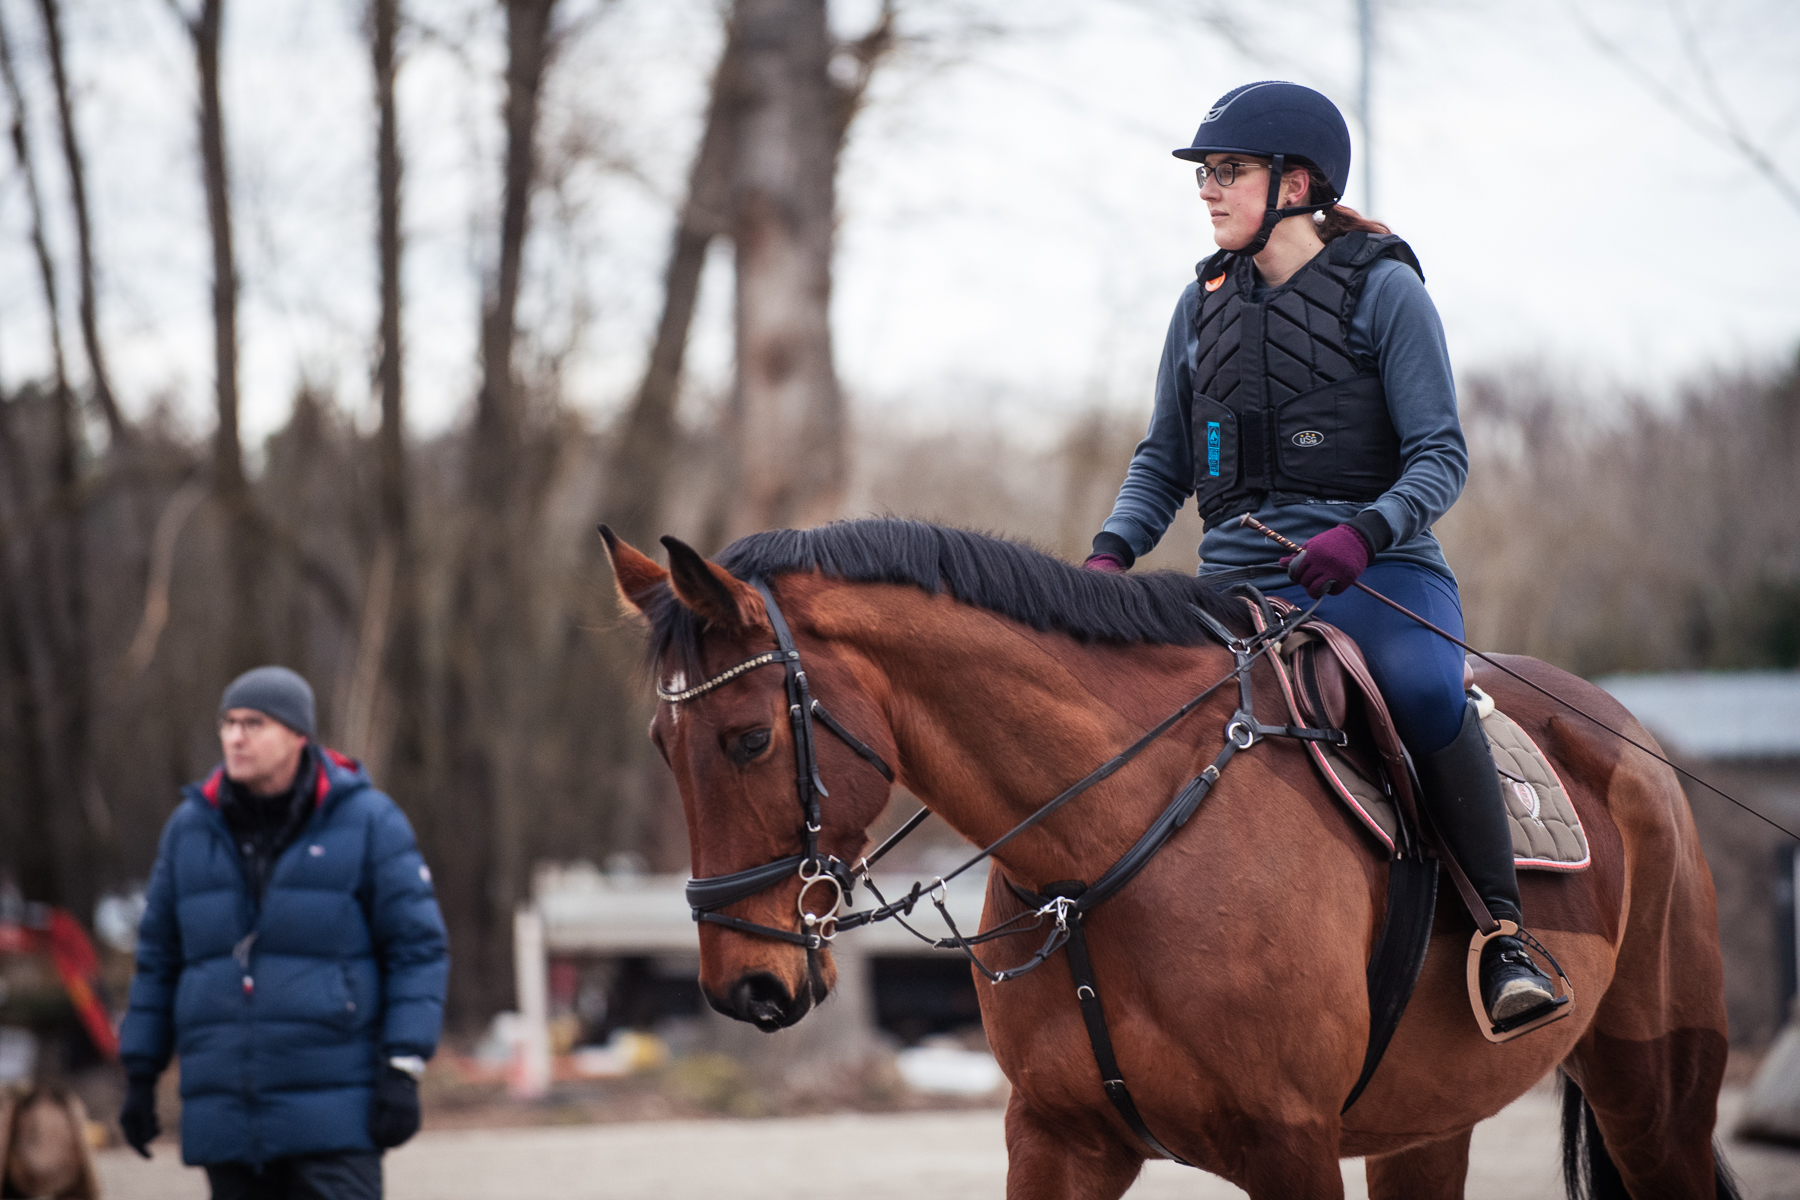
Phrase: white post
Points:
(531, 1070)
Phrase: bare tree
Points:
(638, 472)
(52, 589)
(388, 689)
(231, 489)
(29, 850)
(491, 594)
(498, 423)
(84, 240)
(790, 448)
(1710, 114)
(640, 463)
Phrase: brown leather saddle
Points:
(1326, 684)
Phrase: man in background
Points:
(293, 955)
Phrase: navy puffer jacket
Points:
(283, 1015)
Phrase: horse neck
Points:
(992, 719)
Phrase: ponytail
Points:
(1339, 218)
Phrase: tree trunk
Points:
(72, 157)
(638, 473)
(389, 712)
(487, 693)
(28, 851)
(57, 556)
(498, 425)
(25, 798)
(244, 533)
(787, 409)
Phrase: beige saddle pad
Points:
(1324, 689)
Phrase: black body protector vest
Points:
(1282, 409)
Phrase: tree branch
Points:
(1721, 123)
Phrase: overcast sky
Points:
(1014, 232)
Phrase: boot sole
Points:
(1518, 997)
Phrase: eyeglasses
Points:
(249, 725)
(1226, 172)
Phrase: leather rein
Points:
(706, 896)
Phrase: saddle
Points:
(1327, 685)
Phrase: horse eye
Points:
(748, 746)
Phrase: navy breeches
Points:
(1419, 673)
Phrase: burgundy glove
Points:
(1331, 561)
(1109, 563)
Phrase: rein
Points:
(706, 896)
(1067, 903)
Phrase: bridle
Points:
(706, 896)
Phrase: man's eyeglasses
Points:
(1226, 172)
(249, 725)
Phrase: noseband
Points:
(706, 896)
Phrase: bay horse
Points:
(1233, 967)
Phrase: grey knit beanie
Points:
(276, 691)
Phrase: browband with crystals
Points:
(725, 676)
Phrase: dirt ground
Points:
(870, 1156)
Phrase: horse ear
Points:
(721, 598)
(635, 573)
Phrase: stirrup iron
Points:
(1537, 1018)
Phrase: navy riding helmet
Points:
(1278, 121)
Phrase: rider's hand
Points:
(1108, 563)
(1332, 561)
(137, 1120)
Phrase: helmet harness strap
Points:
(1273, 214)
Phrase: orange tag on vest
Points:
(1215, 283)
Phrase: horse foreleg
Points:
(1272, 1161)
(1434, 1171)
(1063, 1162)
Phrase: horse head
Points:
(735, 728)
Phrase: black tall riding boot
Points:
(1462, 789)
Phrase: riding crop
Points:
(1293, 547)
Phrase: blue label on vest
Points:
(1212, 449)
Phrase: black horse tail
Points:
(1589, 1172)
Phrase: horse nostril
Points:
(762, 1000)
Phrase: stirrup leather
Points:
(1537, 1018)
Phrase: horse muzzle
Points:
(764, 1001)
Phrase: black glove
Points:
(138, 1118)
(393, 1108)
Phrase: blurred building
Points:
(601, 952)
(1739, 731)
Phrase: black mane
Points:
(1004, 577)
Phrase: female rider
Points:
(1305, 380)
